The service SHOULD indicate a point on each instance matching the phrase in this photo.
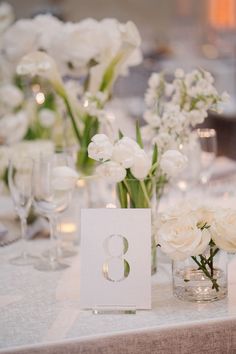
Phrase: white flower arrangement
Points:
(93, 52)
(191, 232)
(136, 173)
(175, 107)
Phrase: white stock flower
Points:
(173, 162)
(223, 230)
(179, 73)
(64, 178)
(154, 80)
(100, 148)
(47, 117)
(181, 238)
(11, 96)
(111, 170)
(141, 165)
(152, 118)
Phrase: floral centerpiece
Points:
(196, 239)
(139, 176)
(77, 65)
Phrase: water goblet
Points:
(207, 139)
(20, 175)
(49, 200)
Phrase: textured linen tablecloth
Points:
(40, 313)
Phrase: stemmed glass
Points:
(20, 174)
(49, 200)
(189, 177)
(207, 139)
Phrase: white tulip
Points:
(173, 162)
(47, 117)
(111, 170)
(41, 64)
(223, 230)
(64, 178)
(124, 151)
(141, 165)
(100, 149)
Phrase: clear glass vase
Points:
(133, 193)
(202, 278)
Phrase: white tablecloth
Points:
(39, 312)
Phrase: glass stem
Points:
(53, 250)
(23, 236)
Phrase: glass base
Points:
(61, 252)
(24, 260)
(191, 285)
(50, 266)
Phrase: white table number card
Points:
(115, 258)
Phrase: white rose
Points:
(11, 96)
(180, 237)
(223, 230)
(64, 178)
(111, 170)
(47, 117)
(173, 162)
(100, 149)
(141, 165)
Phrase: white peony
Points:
(111, 170)
(47, 117)
(100, 148)
(223, 230)
(173, 162)
(11, 96)
(141, 165)
(180, 237)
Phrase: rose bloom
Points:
(180, 237)
(223, 230)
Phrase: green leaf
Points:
(120, 134)
(138, 135)
(155, 154)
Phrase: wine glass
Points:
(207, 139)
(188, 178)
(20, 174)
(49, 200)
